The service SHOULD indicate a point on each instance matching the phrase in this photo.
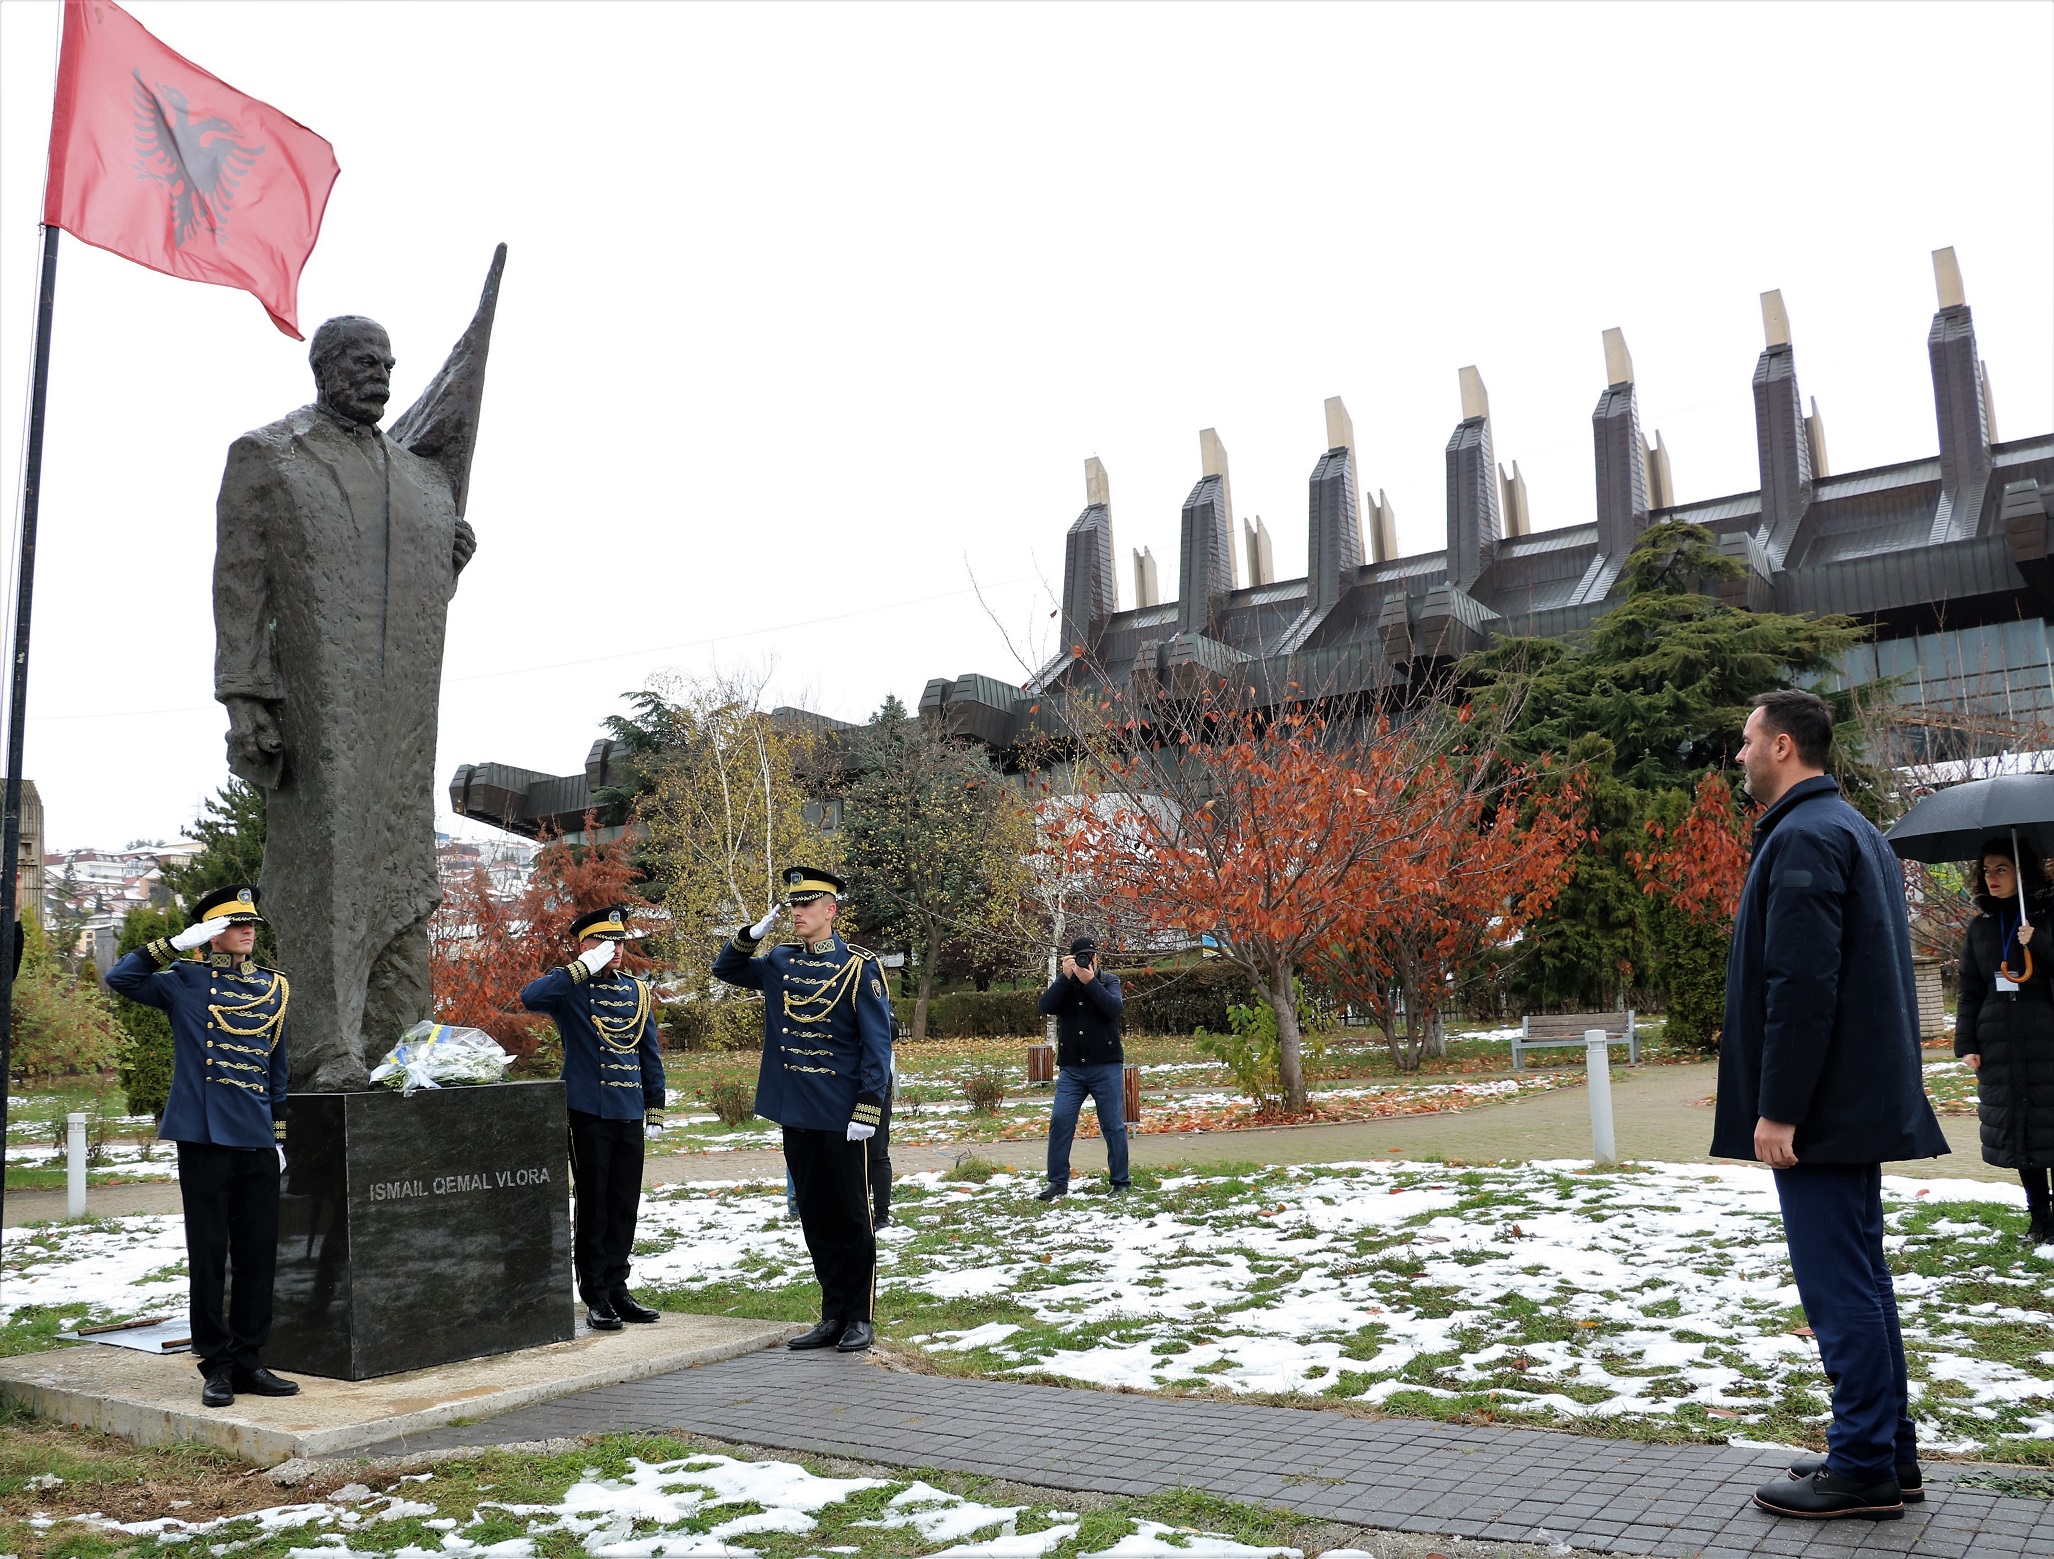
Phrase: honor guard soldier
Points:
(613, 1088)
(826, 1070)
(226, 1112)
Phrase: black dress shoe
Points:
(1910, 1483)
(217, 1392)
(857, 1338)
(625, 1307)
(1049, 1193)
(1121, 1187)
(879, 1222)
(260, 1382)
(601, 1318)
(825, 1335)
(1823, 1497)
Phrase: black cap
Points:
(234, 905)
(804, 884)
(1079, 946)
(609, 925)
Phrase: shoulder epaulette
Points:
(863, 952)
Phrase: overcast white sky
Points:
(813, 311)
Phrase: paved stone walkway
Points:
(1411, 1475)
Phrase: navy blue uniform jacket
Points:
(1087, 1014)
(1821, 1010)
(615, 1073)
(826, 1030)
(228, 1072)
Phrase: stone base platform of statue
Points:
(415, 1232)
(154, 1399)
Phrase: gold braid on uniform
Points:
(611, 1031)
(271, 1024)
(817, 1005)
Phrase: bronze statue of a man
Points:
(337, 550)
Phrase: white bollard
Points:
(1597, 1058)
(75, 1165)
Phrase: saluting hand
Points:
(597, 958)
(193, 935)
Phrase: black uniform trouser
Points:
(231, 1216)
(831, 1181)
(606, 1175)
(880, 1168)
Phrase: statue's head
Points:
(352, 358)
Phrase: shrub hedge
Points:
(1158, 1001)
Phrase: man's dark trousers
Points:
(606, 1173)
(831, 1178)
(1833, 1224)
(880, 1167)
(231, 1215)
(1103, 1084)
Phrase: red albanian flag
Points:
(165, 165)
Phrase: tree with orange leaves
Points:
(1265, 837)
(1694, 868)
(1484, 857)
(483, 948)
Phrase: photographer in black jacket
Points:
(1085, 1001)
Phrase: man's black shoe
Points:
(601, 1318)
(1823, 1497)
(260, 1382)
(217, 1392)
(1049, 1193)
(825, 1335)
(1910, 1483)
(623, 1305)
(857, 1338)
(1122, 1187)
(2041, 1230)
(879, 1222)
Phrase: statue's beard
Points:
(350, 404)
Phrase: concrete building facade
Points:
(1946, 558)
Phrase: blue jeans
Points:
(1103, 1085)
(1833, 1224)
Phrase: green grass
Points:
(127, 1483)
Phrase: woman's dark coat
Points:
(1821, 1010)
(2013, 1031)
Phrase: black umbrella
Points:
(1952, 824)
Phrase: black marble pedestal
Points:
(415, 1232)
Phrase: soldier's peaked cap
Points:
(804, 884)
(234, 905)
(609, 924)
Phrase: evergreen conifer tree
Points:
(1643, 703)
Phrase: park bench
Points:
(1549, 1030)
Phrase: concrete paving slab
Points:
(155, 1400)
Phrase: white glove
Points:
(762, 927)
(597, 958)
(281, 1161)
(861, 1133)
(193, 935)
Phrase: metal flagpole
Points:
(18, 669)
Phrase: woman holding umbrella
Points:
(2004, 1024)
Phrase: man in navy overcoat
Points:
(1820, 1079)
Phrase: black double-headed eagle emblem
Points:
(200, 162)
